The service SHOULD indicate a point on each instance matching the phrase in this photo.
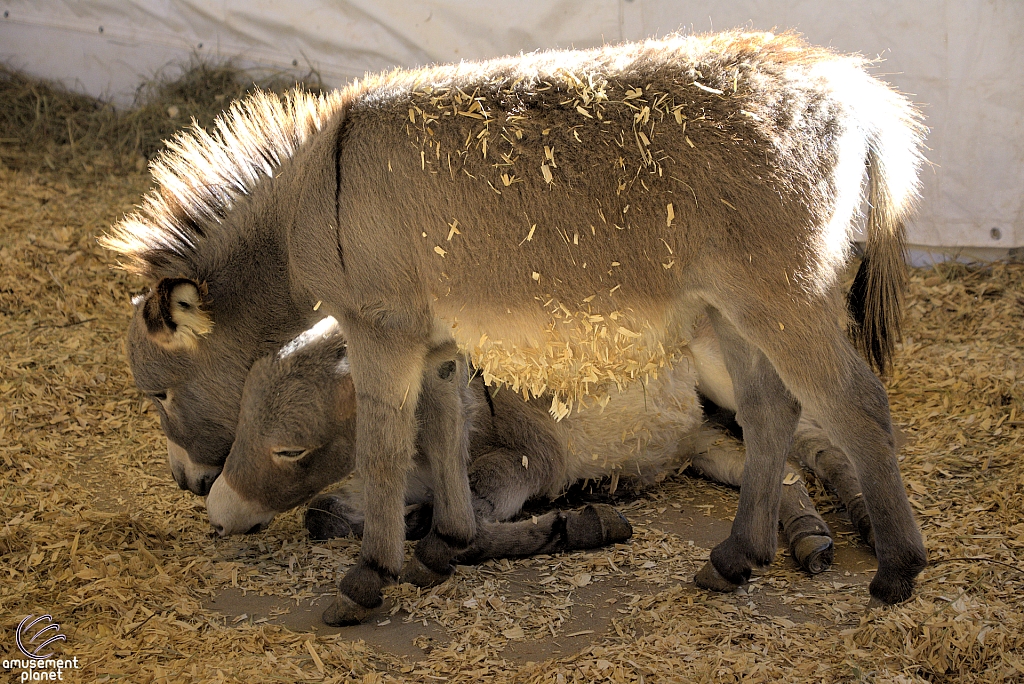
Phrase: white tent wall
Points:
(961, 60)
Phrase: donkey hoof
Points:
(709, 578)
(344, 612)
(891, 586)
(418, 574)
(595, 526)
(814, 553)
(614, 526)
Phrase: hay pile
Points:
(47, 127)
(95, 532)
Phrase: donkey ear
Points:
(173, 313)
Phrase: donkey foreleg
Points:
(809, 537)
(335, 515)
(387, 374)
(768, 414)
(595, 526)
(444, 442)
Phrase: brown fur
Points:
(763, 183)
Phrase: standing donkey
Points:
(564, 217)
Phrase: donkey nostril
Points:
(204, 485)
(219, 529)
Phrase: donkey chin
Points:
(231, 514)
(195, 477)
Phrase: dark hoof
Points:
(595, 526)
(614, 526)
(814, 553)
(875, 603)
(733, 565)
(891, 588)
(709, 578)
(344, 611)
(894, 581)
(418, 574)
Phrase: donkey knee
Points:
(501, 484)
(329, 516)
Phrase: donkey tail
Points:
(895, 135)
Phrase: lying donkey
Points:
(563, 216)
(296, 431)
(299, 414)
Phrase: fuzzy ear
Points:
(173, 313)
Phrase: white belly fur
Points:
(640, 431)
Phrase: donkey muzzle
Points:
(231, 514)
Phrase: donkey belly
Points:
(639, 431)
(582, 358)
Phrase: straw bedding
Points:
(95, 532)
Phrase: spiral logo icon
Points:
(48, 633)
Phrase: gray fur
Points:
(517, 453)
(385, 208)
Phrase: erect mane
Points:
(201, 175)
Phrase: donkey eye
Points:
(159, 396)
(290, 453)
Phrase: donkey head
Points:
(295, 433)
(195, 389)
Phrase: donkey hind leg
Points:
(444, 432)
(768, 414)
(501, 482)
(856, 416)
(820, 367)
(815, 451)
(809, 537)
(595, 526)
(387, 383)
(808, 534)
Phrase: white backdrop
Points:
(961, 60)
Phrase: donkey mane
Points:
(202, 174)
